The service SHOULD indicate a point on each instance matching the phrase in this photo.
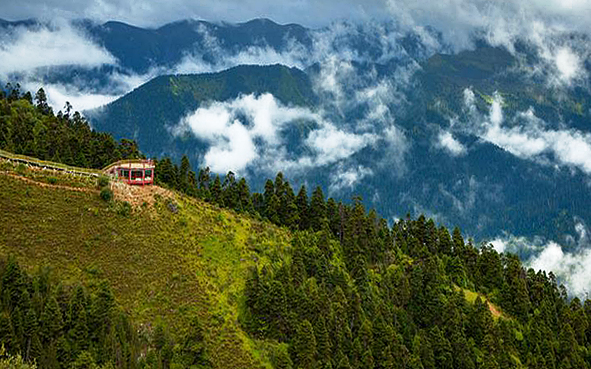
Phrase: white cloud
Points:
(572, 268)
(25, 50)
(528, 138)
(332, 144)
(58, 95)
(28, 53)
(232, 140)
(294, 55)
(568, 64)
(499, 244)
(347, 178)
(248, 131)
(569, 262)
(447, 142)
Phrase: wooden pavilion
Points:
(133, 172)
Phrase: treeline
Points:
(57, 326)
(54, 325)
(28, 126)
(352, 292)
(278, 203)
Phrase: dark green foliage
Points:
(71, 326)
(350, 292)
(67, 138)
(75, 333)
(106, 194)
(169, 98)
(359, 294)
(103, 181)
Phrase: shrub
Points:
(21, 168)
(52, 180)
(106, 194)
(124, 209)
(103, 181)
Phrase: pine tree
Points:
(304, 346)
(322, 340)
(184, 174)
(302, 204)
(317, 211)
(7, 335)
(244, 201)
(282, 360)
(216, 191)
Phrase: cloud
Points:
(31, 54)
(332, 144)
(571, 268)
(153, 13)
(214, 57)
(59, 94)
(568, 261)
(347, 177)
(248, 130)
(526, 136)
(447, 142)
(54, 45)
(231, 129)
(546, 25)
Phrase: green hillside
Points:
(347, 291)
(162, 264)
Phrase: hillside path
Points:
(49, 185)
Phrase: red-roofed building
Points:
(133, 172)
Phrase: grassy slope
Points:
(159, 263)
(471, 297)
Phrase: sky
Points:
(455, 17)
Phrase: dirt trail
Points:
(135, 195)
(493, 309)
(49, 185)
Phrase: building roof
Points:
(131, 164)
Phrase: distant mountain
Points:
(147, 113)
(139, 49)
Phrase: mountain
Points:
(140, 49)
(178, 281)
(393, 115)
(521, 196)
(147, 113)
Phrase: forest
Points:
(28, 126)
(352, 292)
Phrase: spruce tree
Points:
(304, 346)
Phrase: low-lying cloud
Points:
(447, 142)
(347, 177)
(32, 54)
(528, 137)
(248, 130)
(25, 49)
(568, 261)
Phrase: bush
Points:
(52, 180)
(21, 168)
(103, 181)
(124, 209)
(106, 194)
